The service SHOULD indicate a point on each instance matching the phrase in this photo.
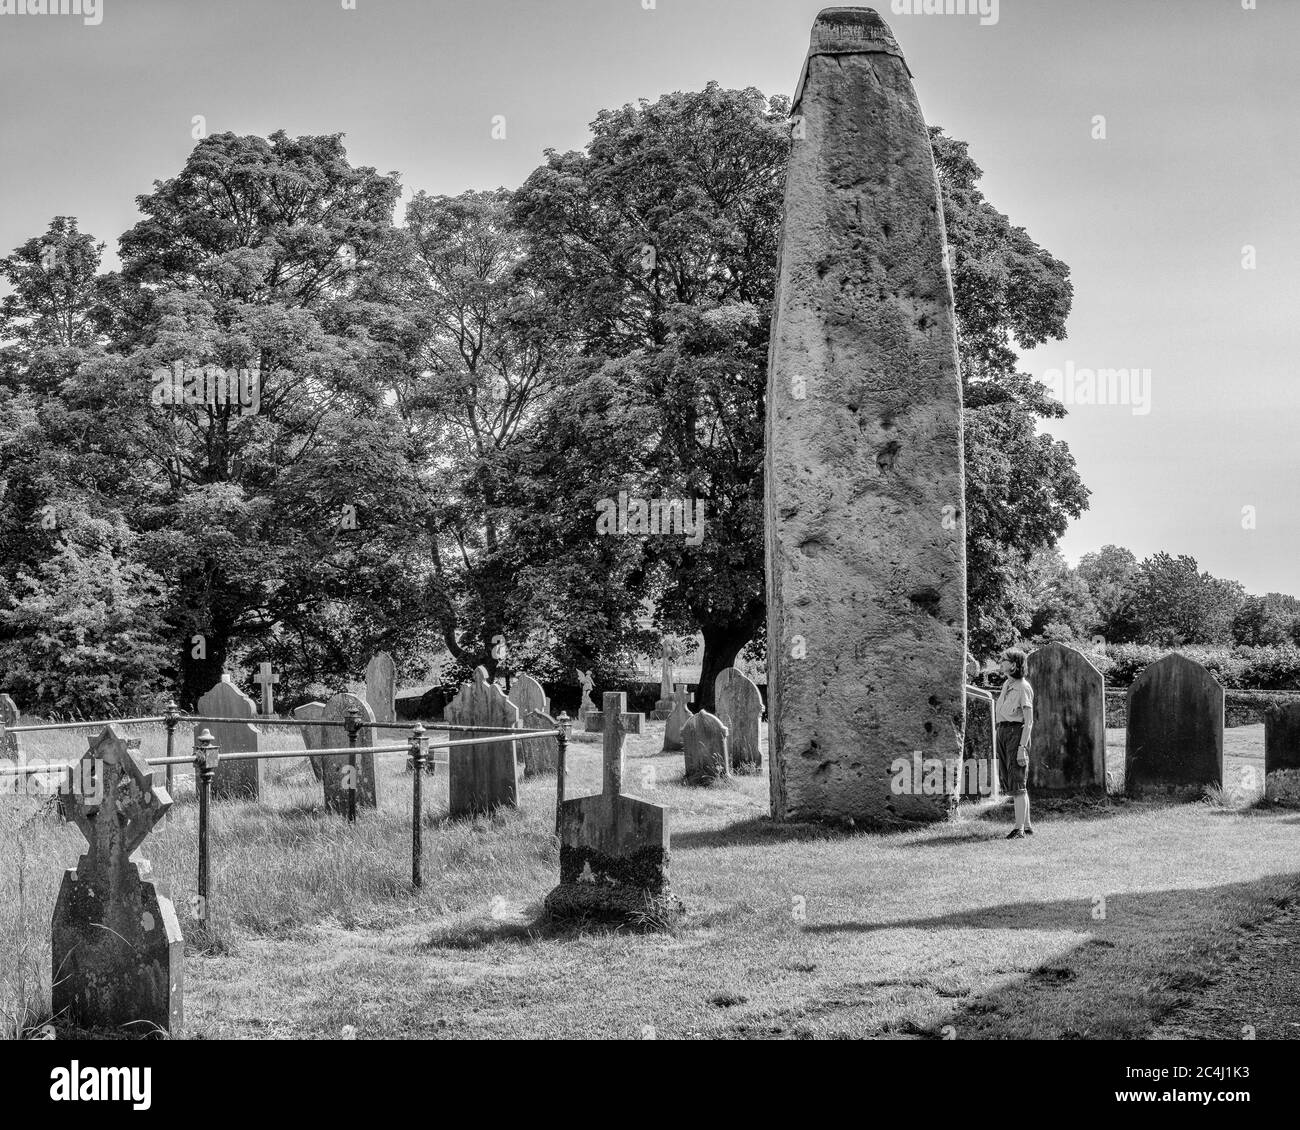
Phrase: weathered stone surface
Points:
(1067, 749)
(704, 738)
(117, 955)
(1174, 737)
(482, 777)
(587, 704)
(541, 755)
(527, 695)
(740, 708)
(381, 687)
(864, 490)
(10, 744)
(613, 848)
(337, 770)
(980, 765)
(234, 779)
(1282, 737)
(317, 737)
(678, 718)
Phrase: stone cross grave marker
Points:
(267, 679)
(316, 737)
(864, 506)
(233, 779)
(613, 848)
(527, 694)
(1282, 737)
(664, 706)
(118, 958)
(587, 704)
(1067, 751)
(381, 687)
(704, 738)
(740, 708)
(541, 755)
(481, 776)
(1174, 735)
(679, 717)
(337, 781)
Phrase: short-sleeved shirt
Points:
(1015, 696)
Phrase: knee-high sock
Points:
(1022, 809)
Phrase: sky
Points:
(1179, 224)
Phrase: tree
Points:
(1111, 576)
(1060, 603)
(1176, 604)
(1263, 621)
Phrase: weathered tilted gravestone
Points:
(980, 760)
(317, 737)
(614, 848)
(1282, 737)
(336, 770)
(381, 687)
(740, 708)
(1174, 737)
(118, 959)
(527, 694)
(1067, 748)
(541, 755)
(704, 739)
(587, 705)
(234, 779)
(10, 746)
(482, 776)
(664, 706)
(678, 718)
(866, 569)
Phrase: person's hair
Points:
(1016, 658)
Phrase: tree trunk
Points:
(722, 643)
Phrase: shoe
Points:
(1029, 831)
(1015, 834)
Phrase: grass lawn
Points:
(1105, 924)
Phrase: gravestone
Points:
(1282, 737)
(740, 708)
(117, 955)
(381, 687)
(336, 769)
(678, 718)
(541, 755)
(1067, 747)
(10, 744)
(664, 706)
(865, 523)
(527, 695)
(980, 760)
(1174, 735)
(587, 705)
(266, 679)
(234, 779)
(482, 776)
(317, 737)
(614, 848)
(704, 739)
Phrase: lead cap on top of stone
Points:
(842, 31)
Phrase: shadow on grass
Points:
(477, 934)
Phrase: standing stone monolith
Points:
(614, 848)
(740, 708)
(865, 524)
(1282, 737)
(117, 955)
(679, 717)
(335, 769)
(704, 738)
(1173, 742)
(381, 687)
(481, 777)
(527, 694)
(316, 737)
(1067, 749)
(240, 780)
(540, 755)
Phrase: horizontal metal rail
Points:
(80, 725)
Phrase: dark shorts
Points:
(1013, 777)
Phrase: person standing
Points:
(1014, 713)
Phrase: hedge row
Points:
(1241, 668)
